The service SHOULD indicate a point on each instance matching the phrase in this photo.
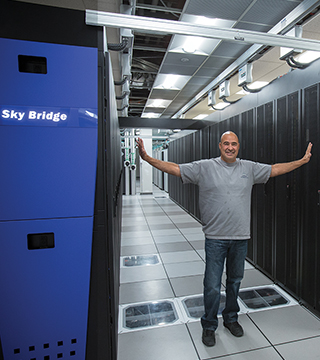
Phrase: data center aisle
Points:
(162, 265)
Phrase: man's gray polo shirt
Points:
(225, 194)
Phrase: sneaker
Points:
(235, 328)
(208, 337)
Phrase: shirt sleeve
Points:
(261, 173)
(190, 172)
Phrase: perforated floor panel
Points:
(190, 308)
(264, 297)
(194, 306)
(141, 260)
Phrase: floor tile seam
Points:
(297, 340)
(262, 333)
(180, 262)
(239, 352)
(192, 341)
(134, 228)
(187, 262)
(152, 301)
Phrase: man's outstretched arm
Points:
(166, 166)
(280, 169)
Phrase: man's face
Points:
(229, 147)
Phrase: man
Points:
(225, 186)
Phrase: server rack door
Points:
(235, 126)
(282, 222)
(205, 143)
(170, 184)
(264, 209)
(198, 156)
(177, 158)
(286, 219)
(182, 154)
(188, 190)
(162, 173)
(248, 145)
(309, 276)
(214, 141)
(248, 135)
(174, 156)
(189, 194)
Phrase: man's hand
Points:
(142, 150)
(280, 169)
(308, 154)
(166, 166)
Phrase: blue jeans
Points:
(234, 251)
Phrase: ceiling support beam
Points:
(162, 123)
(158, 8)
(99, 18)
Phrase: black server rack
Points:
(173, 181)
(214, 141)
(309, 250)
(235, 126)
(286, 216)
(248, 145)
(187, 190)
(264, 193)
(205, 142)
(198, 155)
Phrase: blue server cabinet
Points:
(48, 155)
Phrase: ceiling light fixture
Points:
(257, 85)
(158, 103)
(189, 48)
(242, 92)
(308, 56)
(220, 106)
(200, 116)
(150, 115)
(191, 44)
(203, 20)
(170, 81)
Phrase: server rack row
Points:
(285, 211)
